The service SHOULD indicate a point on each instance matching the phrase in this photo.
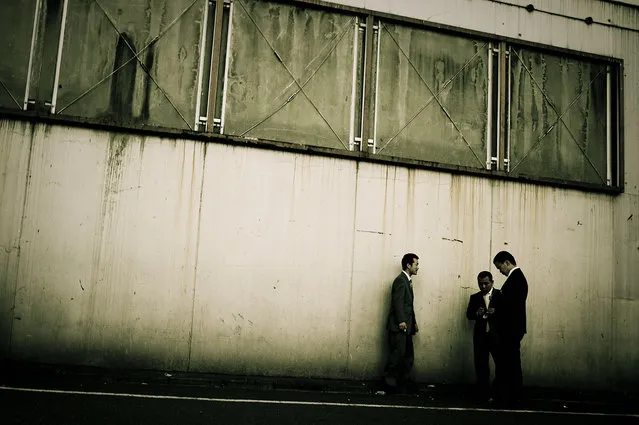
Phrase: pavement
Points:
(60, 391)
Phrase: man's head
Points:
(485, 281)
(505, 262)
(410, 264)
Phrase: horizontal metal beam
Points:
(45, 118)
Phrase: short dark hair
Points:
(408, 259)
(503, 256)
(485, 274)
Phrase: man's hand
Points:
(403, 326)
(490, 311)
(415, 328)
(481, 311)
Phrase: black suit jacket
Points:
(401, 309)
(475, 302)
(514, 293)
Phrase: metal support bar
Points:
(56, 79)
(379, 42)
(619, 124)
(502, 107)
(34, 34)
(226, 68)
(608, 127)
(508, 110)
(489, 112)
(215, 63)
(351, 133)
(198, 96)
(368, 77)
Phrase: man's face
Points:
(412, 268)
(504, 268)
(485, 284)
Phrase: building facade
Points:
(229, 186)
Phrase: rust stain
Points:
(117, 146)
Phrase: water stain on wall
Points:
(123, 82)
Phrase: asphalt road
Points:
(160, 404)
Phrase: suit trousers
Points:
(485, 344)
(509, 370)
(400, 358)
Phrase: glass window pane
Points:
(101, 77)
(314, 50)
(16, 21)
(558, 117)
(432, 96)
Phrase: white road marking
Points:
(313, 403)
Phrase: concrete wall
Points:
(123, 250)
(615, 32)
(172, 254)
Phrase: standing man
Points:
(483, 308)
(512, 326)
(401, 327)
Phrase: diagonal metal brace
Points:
(10, 94)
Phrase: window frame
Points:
(500, 168)
(39, 108)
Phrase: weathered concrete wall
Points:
(14, 169)
(613, 33)
(106, 255)
(564, 242)
(274, 263)
(150, 252)
(121, 250)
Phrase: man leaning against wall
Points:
(401, 327)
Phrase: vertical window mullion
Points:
(200, 118)
(489, 110)
(215, 66)
(357, 103)
(34, 35)
(368, 83)
(507, 106)
(495, 109)
(608, 126)
(618, 123)
(44, 55)
(501, 110)
(354, 91)
(58, 62)
(375, 106)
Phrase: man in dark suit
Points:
(511, 327)
(401, 327)
(483, 308)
